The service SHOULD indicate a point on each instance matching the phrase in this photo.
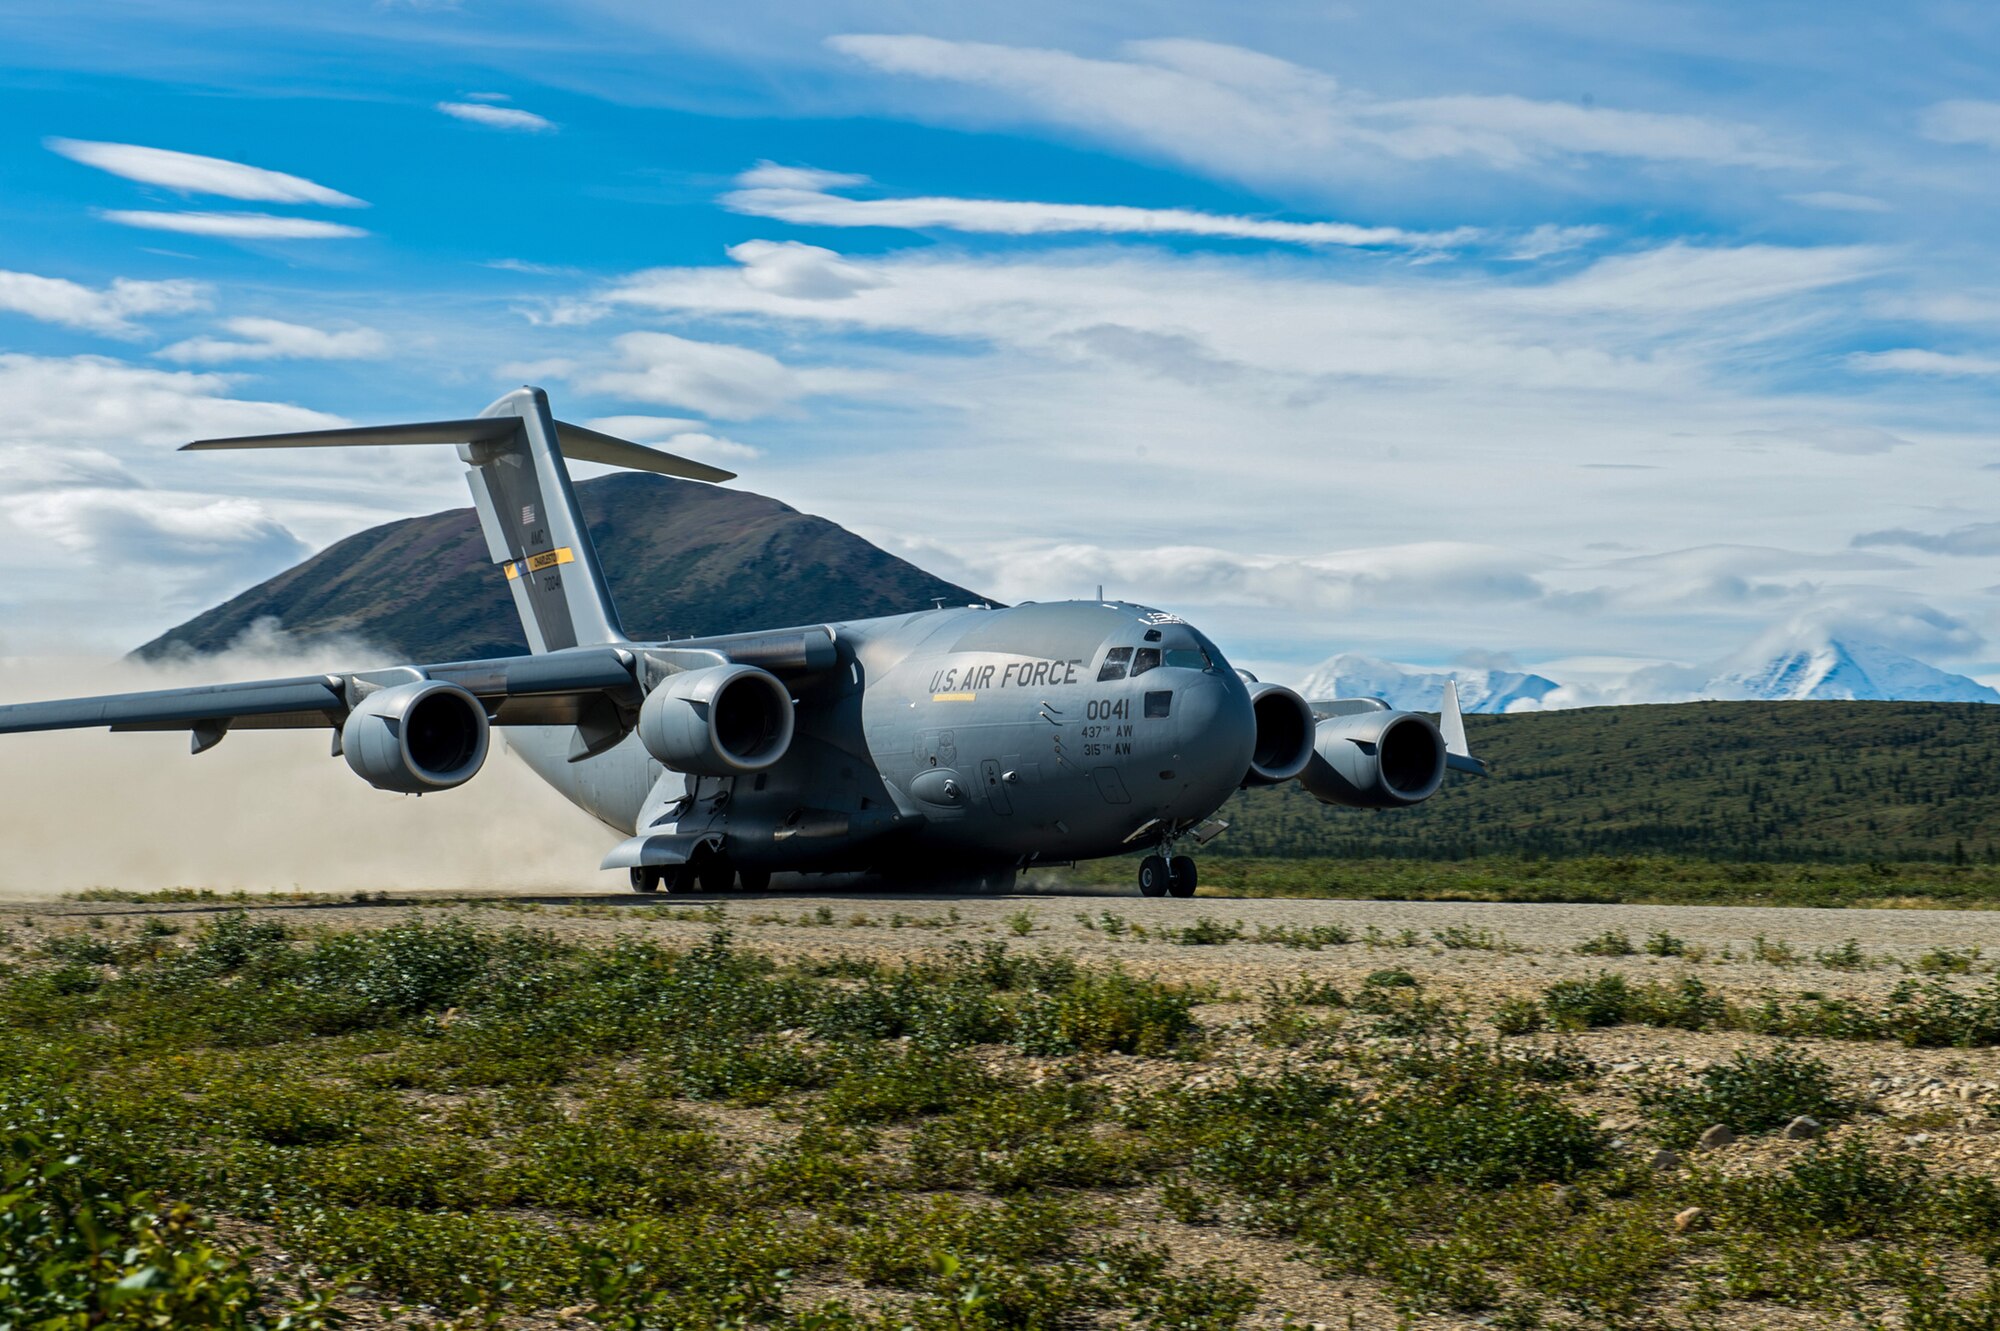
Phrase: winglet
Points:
(1451, 723)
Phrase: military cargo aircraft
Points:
(951, 746)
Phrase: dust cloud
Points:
(264, 810)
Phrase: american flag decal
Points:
(527, 515)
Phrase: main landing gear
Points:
(1166, 875)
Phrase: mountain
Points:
(1733, 781)
(1818, 666)
(682, 558)
(1417, 690)
(1789, 665)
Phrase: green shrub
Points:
(74, 1255)
(1749, 1093)
(881, 1085)
(1610, 943)
(1106, 1011)
(1518, 1016)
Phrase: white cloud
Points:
(1963, 121)
(274, 339)
(1839, 201)
(497, 117)
(236, 226)
(152, 528)
(1549, 238)
(1831, 438)
(1246, 115)
(645, 429)
(808, 206)
(71, 401)
(1617, 323)
(108, 309)
(713, 378)
(1433, 572)
(770, 175)
(1979, 539)
(789, 268)
(1913, 360)
(189, 173)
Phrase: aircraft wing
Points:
(596, 688)
(559, 688)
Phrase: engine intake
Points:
(416, 737)
(719, 721)
(1375, 760)
(1284, 735)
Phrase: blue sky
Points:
(1586, 337)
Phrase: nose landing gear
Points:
(1167, 875)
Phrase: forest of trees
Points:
(1779, 782)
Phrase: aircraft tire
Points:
(754, 880)
(685, 878)
(715, 873)
(646, 878)
(1153, 876)
(1180, 877)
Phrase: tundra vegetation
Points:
(235, 1123)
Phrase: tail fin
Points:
(527, 508)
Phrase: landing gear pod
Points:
(1376, 760)
(417, 737)
(720, 721)
(1284, 735)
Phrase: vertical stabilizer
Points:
(534, 530)
(527, 507)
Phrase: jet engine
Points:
(1375, 760)
(1284, 735)
(718, 721)
(416, 737)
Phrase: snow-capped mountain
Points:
(1810, 665)
(1415, 689)
(1793, 664)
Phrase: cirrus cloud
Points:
(812, 205)
(191, 173)
(235, 226)
(1241, 114)
(497, 117)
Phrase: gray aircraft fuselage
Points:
(974, 735)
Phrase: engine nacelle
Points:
(1376, 760)
(719, 721)
(416, 737)
(1284, 735)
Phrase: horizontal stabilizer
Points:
(579, 444)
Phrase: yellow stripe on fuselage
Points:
(536, 563)
(954, 697)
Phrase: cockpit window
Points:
(1115, 662)
(1146, 658)
(1152, 635)
(1189, 658)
